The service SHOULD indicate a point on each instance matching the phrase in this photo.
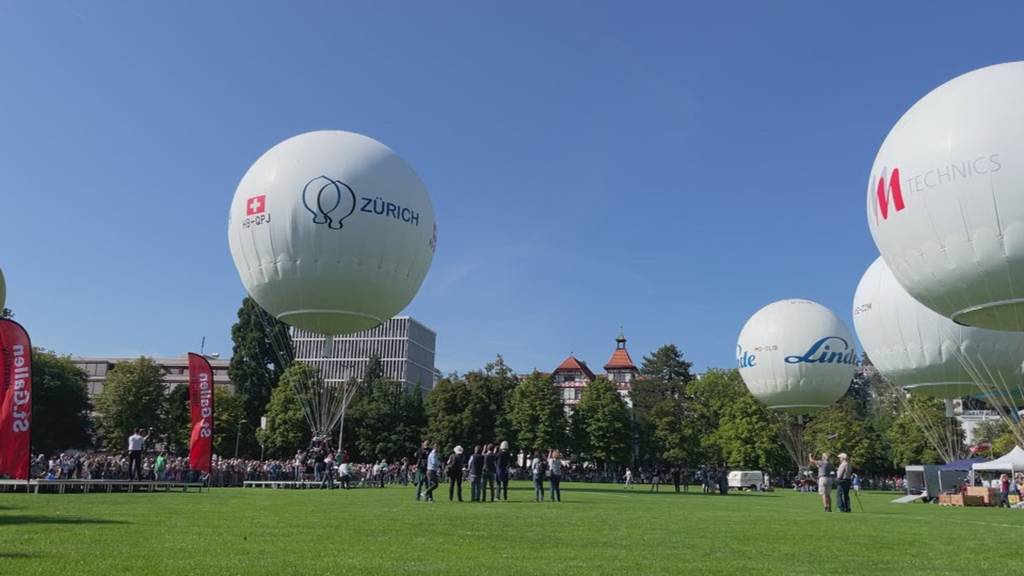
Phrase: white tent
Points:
(1013, 461)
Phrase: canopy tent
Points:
(964, 465)
(1011, 462)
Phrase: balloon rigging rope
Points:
(999, 393)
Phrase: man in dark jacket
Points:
(504, 462)
(421, 468)
(454, 471)
(490, 470)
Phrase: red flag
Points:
(200, 398)
(15, 400)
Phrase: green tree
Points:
(132, 397)
(262, 348)
(446, 410)
(228, 412)
(287, 429)
(667, 364)
(600, 424)
(840, 429)
(386, 422)
(536, 414)
(60, 403)
(179, 418)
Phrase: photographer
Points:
(135, 444)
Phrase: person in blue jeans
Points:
(539, 468)
(476, 474)
(555, 464)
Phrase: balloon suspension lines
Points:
(1003, 392)
(945, 436)
(791, 432)
(323, 401)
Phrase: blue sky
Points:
(669, 167)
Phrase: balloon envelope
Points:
(796, 356)
(331, 232)
(920, 350)
(945, 200)
(3, 290)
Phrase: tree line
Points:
(671, 416)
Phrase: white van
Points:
(751, 479)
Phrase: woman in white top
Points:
(555, 465)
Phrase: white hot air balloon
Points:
(796, 356)
(921, 351)
(331, 232)
(945, 199)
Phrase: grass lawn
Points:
(597, 529)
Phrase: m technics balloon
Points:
(796, 356)
(945, 200)
(332, 232)
(922, 351)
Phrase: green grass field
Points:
(596, 529)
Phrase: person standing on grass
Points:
(1004, 491)
(627, 480)
(327, 472)
(433, 467)
(476, 474)
(345, 473)
(490, 470)
(454, 470)
(555, 464)
(824, 478)
(656, 479)
(421, 469)
(503, 464)
(843, 476)
(135, 444)
(538, 467)
(676, 475)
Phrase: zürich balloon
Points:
(945, 200)
(796, 356)
(921, 351)
(332, 232)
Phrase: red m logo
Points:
(883, 193)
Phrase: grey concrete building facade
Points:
(405, 348)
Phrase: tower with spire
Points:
(620, 368)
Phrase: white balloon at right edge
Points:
(945, 199)
(918, 349)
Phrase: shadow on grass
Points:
(16, 520)
(14, 555)
(646, 489)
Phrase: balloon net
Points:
(944, 434)
(323, 401)
(1001, 390)
(791, 433)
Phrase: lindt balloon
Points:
(945, 200)
(921, 351)
(796, 356)
(332, 232)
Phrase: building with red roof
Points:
(573, 374)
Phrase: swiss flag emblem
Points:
(256, 205)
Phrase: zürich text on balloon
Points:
(898, 187)
(826, 351)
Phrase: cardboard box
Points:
(988, 495)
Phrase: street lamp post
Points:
(238, 435)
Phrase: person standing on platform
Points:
(136, 442)
(843, 476)
(824, 478)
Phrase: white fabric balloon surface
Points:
(332, 232)
(945, 200)
(796, 356)
(3, 290)
(922, 351)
